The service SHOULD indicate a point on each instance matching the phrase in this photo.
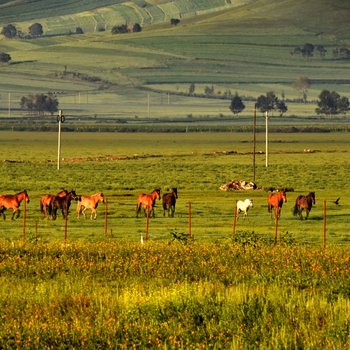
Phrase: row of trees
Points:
(10, 31)
(124, 28)
(330, 103)
(40, 103)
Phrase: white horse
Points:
(243, 206)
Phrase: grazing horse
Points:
(8, 201)
(147, 201)
(62, 203)
(304, 202)
(45, 202)
(89, 202)
(243, 206)
(169, 202)
(276, 201)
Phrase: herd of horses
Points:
(275, 203)
(51, 204)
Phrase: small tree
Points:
(331, 103)
(209, 91)
(267, 103)
(5, 57)
(136, 28)
(302, 85)
(191, 89)
(36, 29)
(9, 31)
(236, 106)
(40, 103)
(123, 28)
(174, 21)
(281, 107)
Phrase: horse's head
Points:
(313, 196)
(26, 197)
(157, 193)
(250, 203)
(175, 192)
(283, 196)
(101, 197)
(73, 195)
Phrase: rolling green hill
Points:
(242, 46)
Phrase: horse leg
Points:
(15, 212)
(83, 212)
(93, 211)
(172, 210)
(138, 208)
(2, 211)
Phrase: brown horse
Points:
(276, 201)
(89, 202)
(304, 202)
(147, 201)
(13, 202)
(62, 203)
(169, 201)
(46, 200)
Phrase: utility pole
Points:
(254, 141)
(60, 119)
(266, 139)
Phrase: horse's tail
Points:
(269, 208)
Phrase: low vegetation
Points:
(122, 295)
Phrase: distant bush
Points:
(136, 28)
(174, 21)
(121, 29)
(79, 30)
(40, 103)
(5, 57)
(36, 30)
(9, 31)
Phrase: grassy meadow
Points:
(122, 165)
(103, 286)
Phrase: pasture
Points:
(124, 165)
(98, 291)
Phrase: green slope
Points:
(63, 16)
(242, 48)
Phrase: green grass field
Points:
(100, 287)
(124, 165)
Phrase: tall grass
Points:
(158, 295)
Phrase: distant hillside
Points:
(63, 16)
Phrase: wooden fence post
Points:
(24, 221)
(234, 221)
(277, 217)
(147, 223)
(324, 223)
(189, 234)
(66, 226)
(106, 218)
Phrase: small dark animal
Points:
(304, 202)
(169, 202)
(337, 201)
